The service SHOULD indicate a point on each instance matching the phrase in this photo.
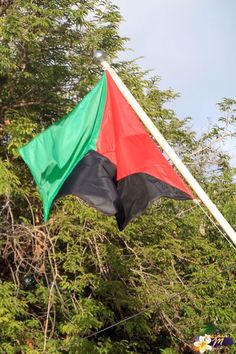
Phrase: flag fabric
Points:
(102, 153)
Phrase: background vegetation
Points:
(172, 271)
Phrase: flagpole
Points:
(100, 56)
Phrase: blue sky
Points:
(191, 44)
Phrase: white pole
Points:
(170, 152)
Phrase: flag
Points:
(102, 153)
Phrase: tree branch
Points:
(6, 4)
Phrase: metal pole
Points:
(169, 151)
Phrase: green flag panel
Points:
(53, 154)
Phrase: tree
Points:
(67, 279)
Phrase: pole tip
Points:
(99, 55)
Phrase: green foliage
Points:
(170, 271)
(8, 180)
